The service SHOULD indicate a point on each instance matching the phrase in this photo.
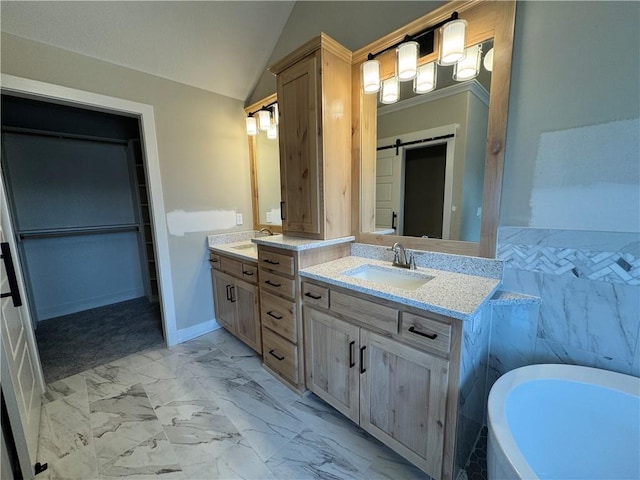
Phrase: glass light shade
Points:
(371, 76)
(425, 80)
(276, 114)
(469, 66)
(488, 60)
(264, 119)
(390, 91)
(407, 61)
(252, 126)
(452, 42)
(272, 131)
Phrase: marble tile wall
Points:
(589, 286)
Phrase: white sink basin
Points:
(244, 246)
(391, 277)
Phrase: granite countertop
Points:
(297, 243)
(453, 294)
(243, 251)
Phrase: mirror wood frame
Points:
(486, 19)
(255, 194)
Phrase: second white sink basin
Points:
(391, 277)
(244, 246)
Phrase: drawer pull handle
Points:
(311, 295)
(351, 362)
(277, 285)
(273, 354)
(271, 314)
(271, 262)
(430, 336)
(214, 260)
(247, 273)
(362, 369)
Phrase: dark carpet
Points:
(73, 343)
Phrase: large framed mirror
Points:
(264, 157)
(427, 170)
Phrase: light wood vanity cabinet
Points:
(363, 359)
(236, 301)
(314, 100)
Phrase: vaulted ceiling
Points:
(219, 46)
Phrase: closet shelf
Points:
(68, 232)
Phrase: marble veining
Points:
(175, 413)
(448, 293)
(287, 242)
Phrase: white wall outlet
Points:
(269, 217)
(239, 219)
(479, 212)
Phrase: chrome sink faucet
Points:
(266, 230)
(400, 258)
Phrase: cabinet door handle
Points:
(311, 295)
(269, 282)
(233, 294)
(247, 273)
(273, 354)
(351, 362)
(431, 336)
(282, 215)
(271, 314)
(228, 292)
(362, 369)
(271, 262)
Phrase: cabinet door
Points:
(222, 298)
(247, 315)
(332, 361)
(403, 399)
(300, 155)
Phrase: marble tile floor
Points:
(204, 409)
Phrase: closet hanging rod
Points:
(400, 143)
(72, 136)
(69, 232)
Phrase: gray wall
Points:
(202, 148)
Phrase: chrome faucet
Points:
(266, 230)
(400, 258)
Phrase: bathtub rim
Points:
(496, 412)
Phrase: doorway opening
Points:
(77, 186)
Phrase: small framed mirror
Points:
(264, 155)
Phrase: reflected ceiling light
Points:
(407, 60)
(252, 126)
(276, 114)
(272, 131)
(264, 120)
(425, 80)
(469, 66)
(452, 37)
(488, 60)
(390, 92)
(371, 76)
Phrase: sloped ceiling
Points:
(219, 46)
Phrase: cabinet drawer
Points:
(277, 262)
(280, 355)
(279, 315)
(370, 313)
(431, 333)
(214, 260)
(250, 273)
(277, 283)
(230, 266)
(315, 295)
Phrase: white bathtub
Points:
(564, 422)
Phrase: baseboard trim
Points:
(189, 333)
(54, 311)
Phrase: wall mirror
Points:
(444, 148)
(264, 156)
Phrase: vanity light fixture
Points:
(371, 76)
(252, 126)
(488, 60)
(390, 92)
(452, 36)
(425, 80)
(469, 66)
(264, 119)
(407, 60)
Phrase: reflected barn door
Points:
(424, 188)
(21, 372)
(388, 176)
